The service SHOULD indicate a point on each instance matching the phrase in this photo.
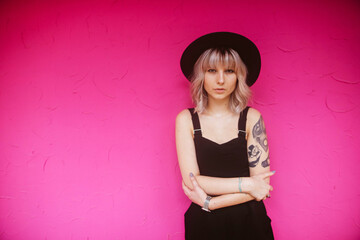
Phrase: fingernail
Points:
(273, 171)
(191, 174)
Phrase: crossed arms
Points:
(226, 190)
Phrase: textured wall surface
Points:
(89, 92)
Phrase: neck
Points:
(218, 108)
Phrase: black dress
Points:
(246, 221)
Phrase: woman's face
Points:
(220, 82)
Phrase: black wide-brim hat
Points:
(246, 49)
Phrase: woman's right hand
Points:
(259, 187)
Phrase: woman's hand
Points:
(260, 189)
(197, 195)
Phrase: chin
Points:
(220, 97)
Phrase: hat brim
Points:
(246, 49)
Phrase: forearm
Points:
(228, 200)
(199, 196)
(220, 186)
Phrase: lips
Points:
(219, 90)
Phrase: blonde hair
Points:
(212, 58)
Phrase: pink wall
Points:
(89, 91)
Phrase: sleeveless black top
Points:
(243, 221)
(228, 159)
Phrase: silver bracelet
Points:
(206, 204)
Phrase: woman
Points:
(221, 144)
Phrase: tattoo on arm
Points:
(259, 134)
(254, 154)
(265, 163)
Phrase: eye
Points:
(211, 70)
(230, 71)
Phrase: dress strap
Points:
(196, 122)
(242, 122)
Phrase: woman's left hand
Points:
(197, 195)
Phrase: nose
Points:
(221, 79)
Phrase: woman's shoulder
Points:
(253, 115)
(183, 117)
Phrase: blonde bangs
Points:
(218, 57)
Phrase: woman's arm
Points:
(198, 196)
(257, 143)
(188, 164)
(254, 185)
(228, 200)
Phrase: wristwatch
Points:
(206, 204)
